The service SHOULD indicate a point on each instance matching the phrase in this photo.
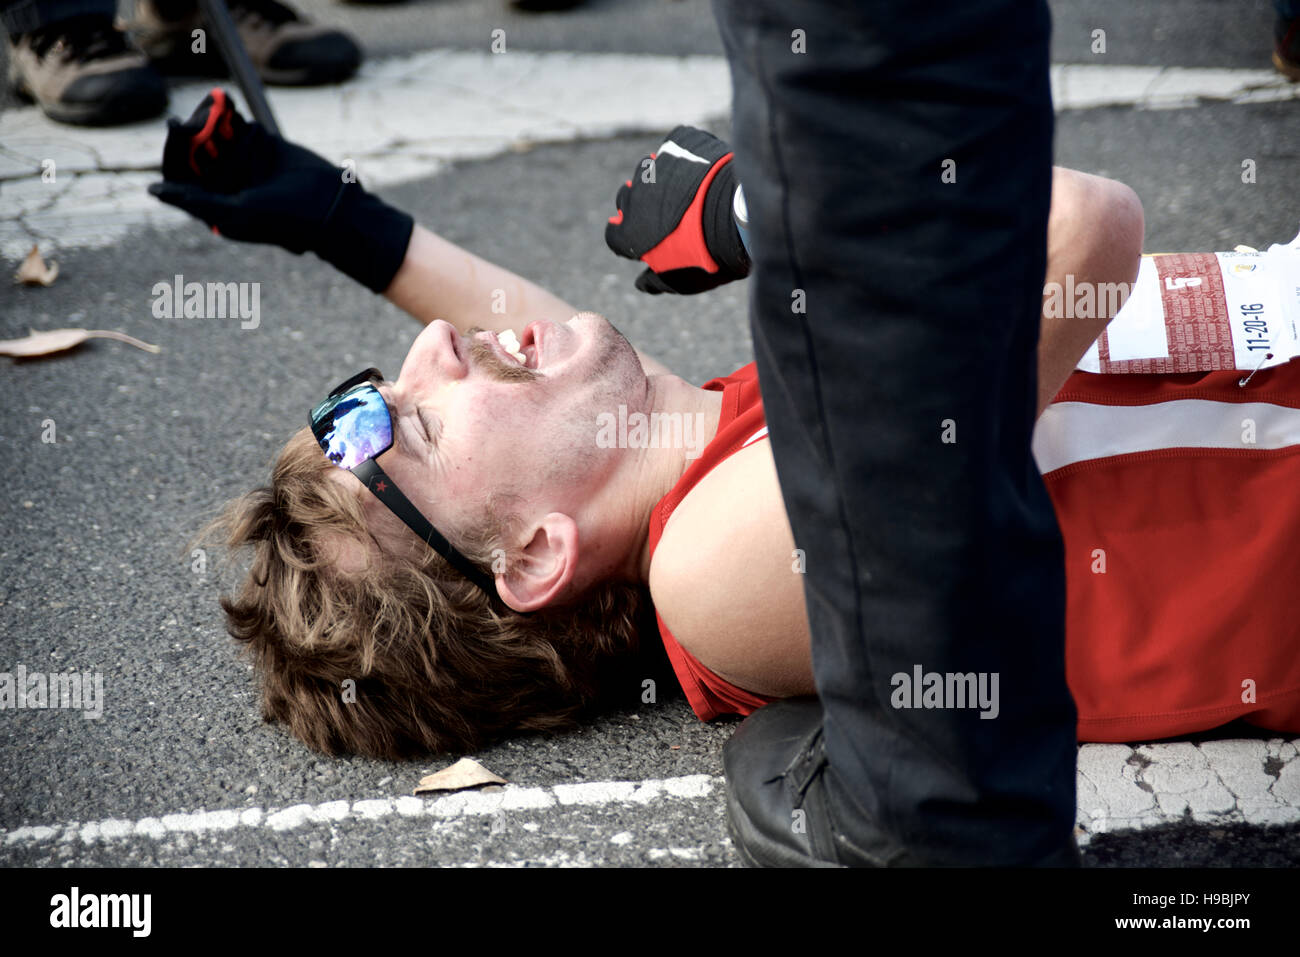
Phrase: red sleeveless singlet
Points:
(1178, 498)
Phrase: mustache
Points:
(484, 356)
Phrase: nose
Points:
(451, 353)
(439, 348)
(436, 358)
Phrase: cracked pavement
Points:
(1214, 782)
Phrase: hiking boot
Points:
(285, 49)
(80, 70)
(1286, 49)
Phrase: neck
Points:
(679, 420)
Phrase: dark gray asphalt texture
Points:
(94, 570)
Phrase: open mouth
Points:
(525, 353)
(510, 343)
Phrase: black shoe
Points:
(779, 809)
(80, 70)
(777, 805)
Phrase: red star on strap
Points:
(381, 486)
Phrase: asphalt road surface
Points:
(96, 574)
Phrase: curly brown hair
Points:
(436, 668)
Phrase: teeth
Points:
(510, 342)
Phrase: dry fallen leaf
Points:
(465, 773)
(57, 340)
(34, 272)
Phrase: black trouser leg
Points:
(898, 175)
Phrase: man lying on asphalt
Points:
(470, 542)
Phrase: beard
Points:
(613, 377)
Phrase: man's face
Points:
(472, 422)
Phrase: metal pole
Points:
(241, 67)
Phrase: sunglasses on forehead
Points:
(354, 427)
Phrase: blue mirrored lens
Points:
(355, 428)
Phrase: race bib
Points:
(1198, 312)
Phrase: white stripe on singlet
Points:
(1069, 432)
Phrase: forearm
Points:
(440, 280)
(1094, 236)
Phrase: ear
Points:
(544, 569)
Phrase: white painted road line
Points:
(1086, 86)
(452, 806)
(405, 118)
(1217, 782)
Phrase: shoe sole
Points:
(306, 77)
(114, 113)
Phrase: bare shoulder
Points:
(726, 580)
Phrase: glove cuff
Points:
(365, 238)
(720, 233)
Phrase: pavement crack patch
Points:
(1140, 762)
(38, 234)
(99, 168)
(1223, 783)
(130, 168)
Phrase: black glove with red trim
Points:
(249, 184)
(675, 216)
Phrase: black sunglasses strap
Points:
(387, 492)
